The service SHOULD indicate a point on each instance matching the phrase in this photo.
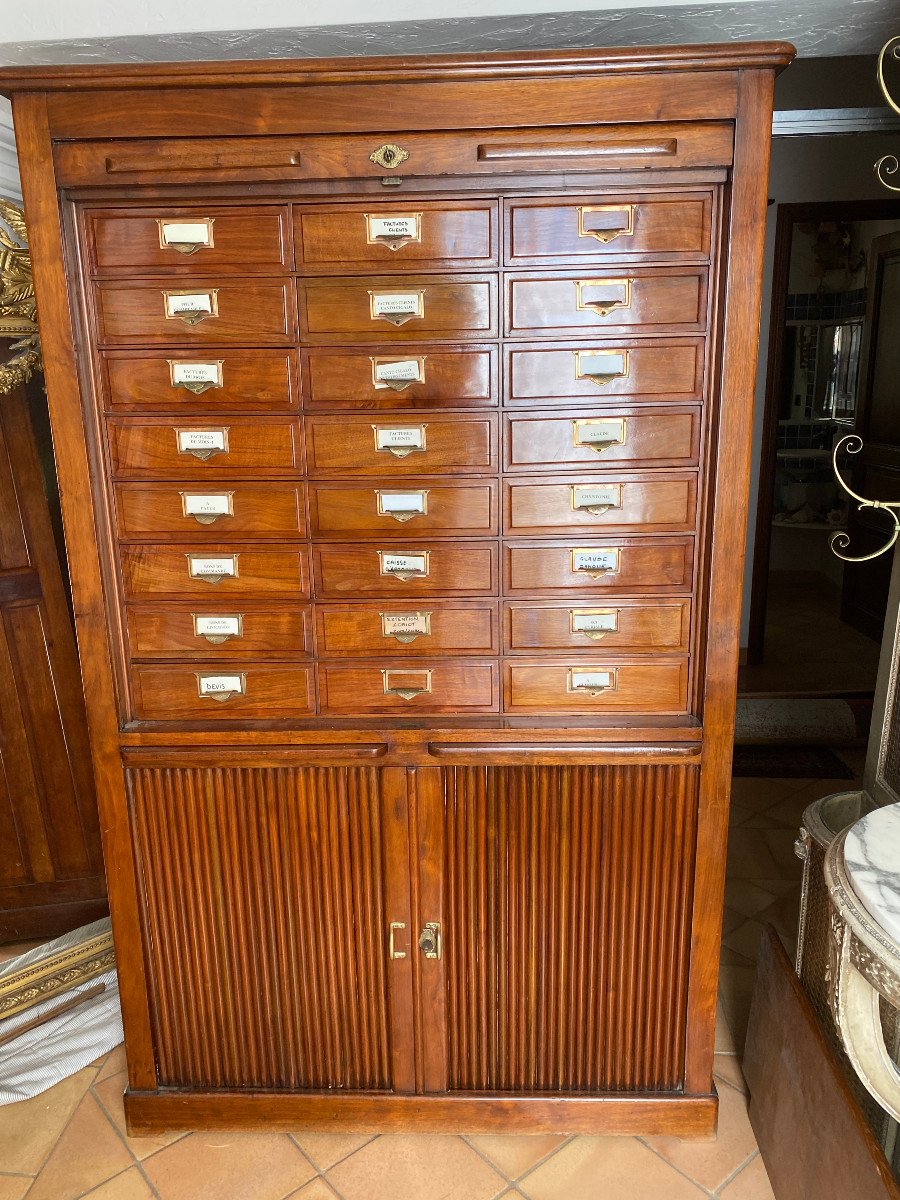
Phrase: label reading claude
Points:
(212, 566)
(200, 439)
(196, 302)
(595, 622)
(197, 372)
(604, 433)
(404, 438)
(394, 227)
(406, 369)
(595, 560)
(214, 685)
(197, 233)
(217, 626)
(217, 505)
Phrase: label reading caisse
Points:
(403, 566)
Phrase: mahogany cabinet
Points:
(402, 410)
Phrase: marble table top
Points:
(872, 863)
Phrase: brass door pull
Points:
(393, 952)
(430, 939)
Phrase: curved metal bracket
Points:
(888, 164)
(852, 443)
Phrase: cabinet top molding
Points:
(409, 68)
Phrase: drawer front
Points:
(230, 691)
(190, 240)
(383, 509)
(647, 503)
(410, 570)
(661, 301)
(576, 686)
(387, 308)
(213, 311)
(197, 448)
(402, 445)
(271, 509)
(429, 377)
(216, 381)
(589, 566)
(215, 630)
(604, 228)
(396, 237)
(628, 626)
(595, 371)
(432, 685)
(214, 572)
(591, 438)
(402, 629)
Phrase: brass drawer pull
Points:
(594, 499)
(392, 682)
(397, 307)
(400, 440)
(599, 434)
(404, 566)
(397, 373)
(202, 444)
(196, 377)
(606, 304)
(594, 623)
(430, 939)
(617, 220)
(405, 626)
(185, 237)
(206, 509)
(221, 687)
(218, 627)
(393, 230)
(601, 366)
(595, 563)
(589, 682)
(191, 307)
(393, 929)
(402, 506)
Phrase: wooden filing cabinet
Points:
(402, 413)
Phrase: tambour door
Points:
(275, 914)
(553, 923)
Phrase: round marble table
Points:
(862, 873)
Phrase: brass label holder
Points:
(415, 442)
(402, 512)
(601, 378)
(407, 372)
(393, 230)
(602, 308)
(616, 425)
(203, 453)
(397, 307)
(406, 691)
(210, 375)
(190, 237)
(175, 311)
(401, 572)
(211, 515)
(590, 681)
(405, 627)
(210, 634)
(599, 571)
(211, 687)
(212, 577)
(595, 499)
(626, 229)
(588, 614)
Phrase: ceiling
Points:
(158, 30)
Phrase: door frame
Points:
(787, 216)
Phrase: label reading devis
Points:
(212, 685)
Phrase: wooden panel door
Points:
(51, 867)
(563, 896)
(274, 904)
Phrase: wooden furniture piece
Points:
(403, 419)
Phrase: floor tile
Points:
(130, 1185)
(745, 939)
(711, 1163)
(728, 1068)
(737, 814)
(410, 1167)
(14, 1187)
(514, 1154)
(724, 1040)
(30, 1128)
(747, 897)
(784, 914)
(614, 1168)
(110, 1093)
(735, 993)
(210, 1166)
(731, 920)
(88, 1153)
(757, 854)
(115, 1062)
(751, 1184)
(759, 794)
(731, 958)
(326, 1149)
(316, 1189)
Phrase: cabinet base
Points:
(674, 1115)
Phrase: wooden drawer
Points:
(197, 448)
(609, 565)
(584, 437)
(649, 503)
(633, 687)
(412, 569)
(448, 377)
(394, 236)
(417, 306)
(661, 300)
(670, 369)
(240, 690)
(250, 239)
(629, 626)
(253, 311)
(385, 509)
(186, 572)
(441, 627)
(604, 228)
(404, 445)
(265, 509)
(215, 630)
(432, 685)
(216, 381)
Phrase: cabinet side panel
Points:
(262, 907)
(566, 913)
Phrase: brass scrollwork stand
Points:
(852, 443)
(888, 163)
(18, 311)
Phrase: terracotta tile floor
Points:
(71, 1141)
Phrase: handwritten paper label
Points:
(403, 566)
(599, 434)
(595, 562)
(186, 373)
(217, 568)
(195, 302)
(217, 628)
(404, 439)
(197, 233)
(406, 627)
(394, 227)
(220, 686)
(407, 370)
(587, 621)
(597, 499)
(590, 681)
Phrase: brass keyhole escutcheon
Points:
(389, 156)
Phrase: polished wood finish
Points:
(405, 512)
